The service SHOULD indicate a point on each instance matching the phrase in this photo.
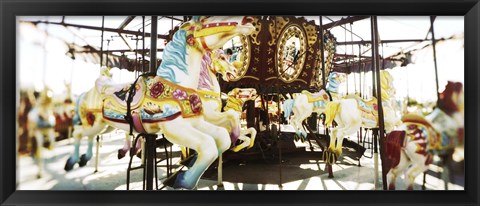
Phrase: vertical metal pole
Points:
(150, 159)
(153, 45)
(432, 19)
(150, 139)
(379, 101)
(322, 54)
(101, 45)
(143, 44)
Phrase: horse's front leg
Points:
(193, 138)
(74, 157)
(222, 141)
(38, 153)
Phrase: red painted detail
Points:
(429, 160)
(393, 146)
(90, 118)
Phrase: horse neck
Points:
(194, 66)
(208, 79)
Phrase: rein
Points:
(131, 93)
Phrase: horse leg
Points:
(245, 142)
(418, 163)
(222, 141)
(253, 134)
(51, 138)
(38, 153)
(398, 169)
(88, 155)
(126, 146)
(416, 169)
(193, 138)
(73, 159)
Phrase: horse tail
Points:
(330, 112)
(287, 108)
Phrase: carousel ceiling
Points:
(124, 42)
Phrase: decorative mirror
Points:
(291, 53)
(240, 57)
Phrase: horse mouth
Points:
(229, 76)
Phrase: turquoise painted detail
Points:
(174, 57)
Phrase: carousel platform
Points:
(300, 170)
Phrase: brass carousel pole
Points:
(150, 138)
(376, 61)
(97, 158)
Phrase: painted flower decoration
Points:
(179, 94)
(375, 107)
(195, 103)
(325, 97)
(190, 40)
(157, 89)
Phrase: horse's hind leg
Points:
(397, 170)
(413, 172)
(193, 138)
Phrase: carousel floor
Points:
(298, 171)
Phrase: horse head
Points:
(221, 65)
(386, 83)
(212, 32)
(46, 97)
(334, 81)
(451, 102)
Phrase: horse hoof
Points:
(121, 154)
(139, 154)
(69, 165)
(189, 161)
(391, 187)
(172, 180)
(39, 176)
(83, 160)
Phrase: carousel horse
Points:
(64, 110)
(168, 100)
(352, 112)
(236, 99)
(41, 123)
(303, 105)
(209, 89)
(87, 122)
(410, 148)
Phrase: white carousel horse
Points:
(41, 123)
(410, 148)
(169, 101)
(303, 105)
(352, 112)
(88, 111)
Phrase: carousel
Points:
(238, 103)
